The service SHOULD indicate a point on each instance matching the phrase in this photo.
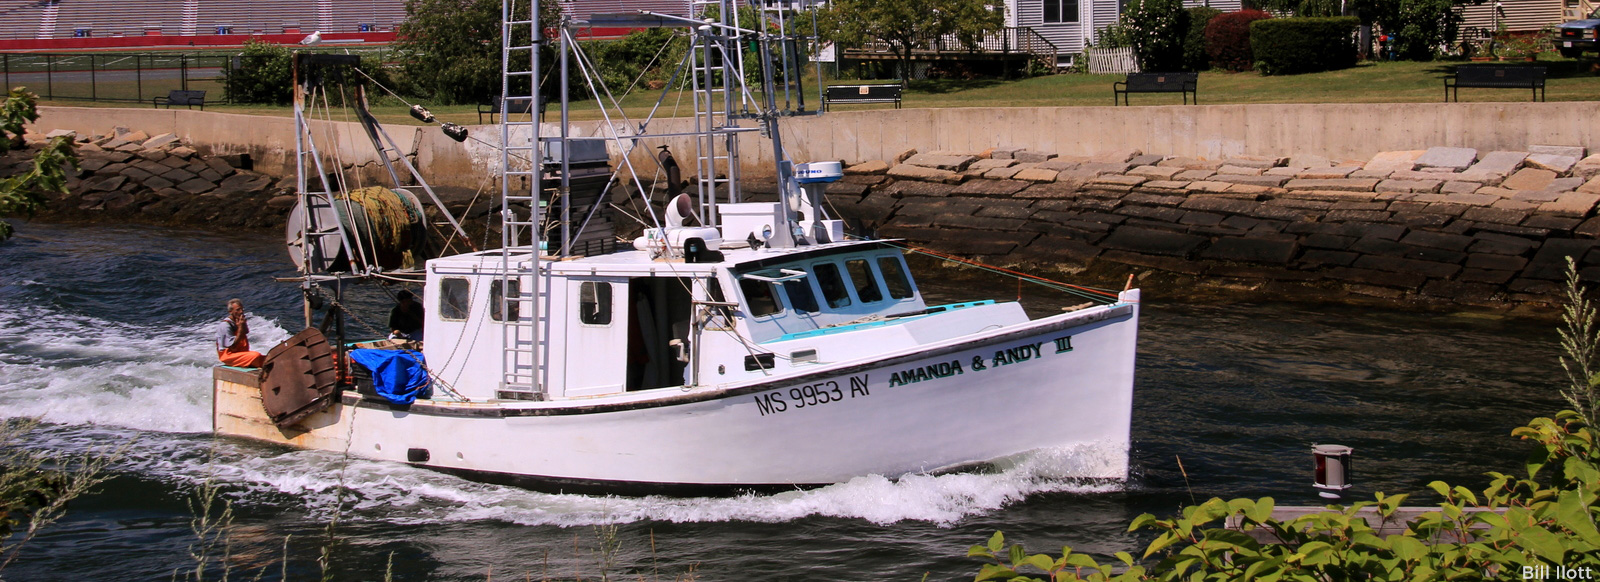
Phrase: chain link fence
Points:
(123, 77)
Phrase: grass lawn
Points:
(1379, 82)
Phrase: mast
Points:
(521, 38)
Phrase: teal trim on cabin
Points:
(935, 310)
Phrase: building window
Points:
(1056, 11)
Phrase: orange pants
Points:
(241, 358)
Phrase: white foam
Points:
(397, 493)
(80, 370)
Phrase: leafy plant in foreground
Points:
(1505, 531)
(23, 194)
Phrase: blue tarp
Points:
(397, 375)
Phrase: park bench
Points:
(1185, 83)
(517, 107)
(181, 97)
(848, 94)
(1529, 77)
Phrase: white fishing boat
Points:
(763, 350)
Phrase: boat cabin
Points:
(625, 322)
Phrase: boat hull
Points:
(1064, 382)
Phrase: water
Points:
(103, 334)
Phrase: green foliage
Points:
(1545, 519)
(1579, 342)
(451, 48)
(1195, 57)
(648, 56)
(1288, 46)
(1118, 35)
(1509, 525)
(1303, 8)
(1158, 29)
(35, 487)
(905, 26)
(1419, 27)
(1228, 39)
(22, 194)
(264, 75)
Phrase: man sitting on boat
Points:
(405, 320)
(233, 339)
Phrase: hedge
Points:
(1288, 46)
(1228, 39)
(1194, 43)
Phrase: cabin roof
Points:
(742, 259)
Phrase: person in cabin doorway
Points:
(233, 339)
(405, 320)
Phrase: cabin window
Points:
(833, 287)
(866, 283)
(894, 276)
(594, 303)
(759, 297)
(455, 298)
(800, 296)
(498, 296)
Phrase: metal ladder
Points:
(715, 98)
(523, 342)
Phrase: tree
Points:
(263, 75)
(23, 194)
(451, 48)
(906, 26)
(1158, 30)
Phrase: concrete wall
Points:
(1352, 131)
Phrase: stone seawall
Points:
(1444, 223)
(1449, 224)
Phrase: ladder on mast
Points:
(523, 340)
(717, 70)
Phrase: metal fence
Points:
(124, 77)
(114, 77)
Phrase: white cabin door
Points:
(596, 336)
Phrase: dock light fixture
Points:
(1332, 466)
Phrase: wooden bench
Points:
(1529, 77)
(181, 97)
(518, 107)
(1185, 83)
(850, 94)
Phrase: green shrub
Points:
(1228, 39)
(262, 75)
(1159, 28)
(1194, 43)
(1288, 46)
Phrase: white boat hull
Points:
(1064, 381)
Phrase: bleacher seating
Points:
(23, 19)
